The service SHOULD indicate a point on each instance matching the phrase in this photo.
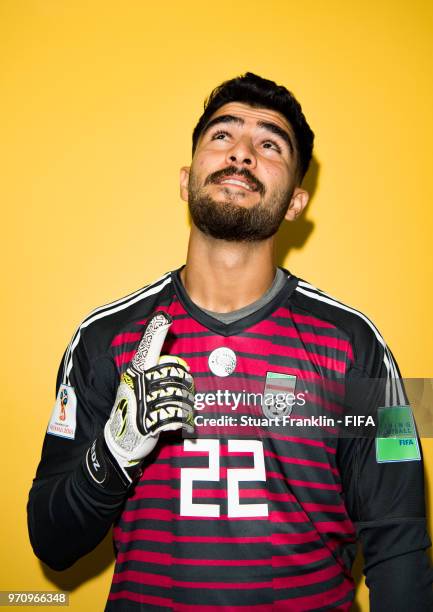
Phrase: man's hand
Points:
(155, 394)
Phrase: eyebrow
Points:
(275, 129)
(267, 125)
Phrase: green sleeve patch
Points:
(396, 438)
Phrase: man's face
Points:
(243, 173)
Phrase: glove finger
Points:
(173, 426)
(174, 395)
(169, 417)
(150, 346)
(162, 375)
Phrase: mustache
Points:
(215, 177)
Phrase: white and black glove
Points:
(155, 394)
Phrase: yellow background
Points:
(98, 101)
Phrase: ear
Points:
(297, 204)
(184, 181)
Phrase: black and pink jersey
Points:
(251, 513)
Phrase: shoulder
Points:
(94, 335)
(111, 318)
(368, 346)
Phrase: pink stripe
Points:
(287, 329)
(243, 493)
(130, 516)
(334, 544)
(147, 513)
(170, 309)
(224, 452)
(275, 516)
(152, 535)
(291, 582)
(143, 578)
(166, 582)
(315, 485)
(306, 337)
(314, 398)
(276, 476)
(309, 507)
(346, 527)
(308, 442)
(309, 602)
(328, 341)
(223, 517)
(145, 557)
(188, 326)
(286, 497)
(281, 539)
(176, 450)
(306, 462)
(241, 431)
(301, 558)
(223, 562)
(260, 347)
(222, 585)
(302, 354)
(161, 472)
(303, 319)
(166, 492)
(123, 358)
(146, 599)
(151, 491)
(207, 382)
(176, 308)
(125, 338)
(220, 540)
(288, 517)
(210, 493)
(222, 494)
(155, 491)
(141, 323)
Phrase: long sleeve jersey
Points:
(255, 512)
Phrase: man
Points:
(240, 512)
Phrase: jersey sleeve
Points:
(385, 498)
(69, 510)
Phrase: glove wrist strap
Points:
(102, 468)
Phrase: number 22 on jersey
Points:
(212, 474)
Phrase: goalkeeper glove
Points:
(154, 395)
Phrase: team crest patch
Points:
(278, 394)
(63, 421)
(396, 435)
(222, 361)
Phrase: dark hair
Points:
(261, 93)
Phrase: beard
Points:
(227, 220)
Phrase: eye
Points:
(219, 135)
(271, 144)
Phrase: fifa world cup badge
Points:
(63, 421)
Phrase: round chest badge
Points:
(222, 361)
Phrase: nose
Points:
(242, 152)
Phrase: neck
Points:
(224, 276)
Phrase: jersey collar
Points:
(231, 329)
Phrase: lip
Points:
(248, 186)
